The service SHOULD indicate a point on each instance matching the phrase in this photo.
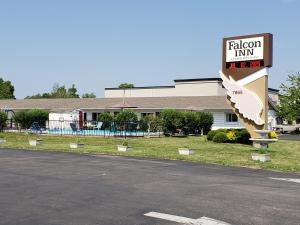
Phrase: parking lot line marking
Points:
(286, 179)
(209, 221)
(184, 220)
(173, 218)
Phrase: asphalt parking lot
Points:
(43, 188)
(289, 137)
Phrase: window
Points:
(230, 117)
(94, 116)
(84, 116)
(146, 114)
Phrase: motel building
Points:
(205, 94)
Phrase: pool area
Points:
(105, 133)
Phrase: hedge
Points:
(241, 136)
(205, 121)
(155, 123)
(26, 118)
(106, 118)
(144, 124)
(190, 122)
(3, 119)
(211, 134)
(220, 137)
(126, 120)
(175, 121)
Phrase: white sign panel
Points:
(245, 49)
(247, 102)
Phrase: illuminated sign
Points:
(249, 64)
(245, 55)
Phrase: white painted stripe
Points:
(169, 217)
(184, 220)
(286, 179)
(209, 221)
(252, 77)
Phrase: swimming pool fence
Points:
(87, 128)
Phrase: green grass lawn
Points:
(285, 155)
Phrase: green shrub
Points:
(150, 123)
(173, 121)
(155, 123)
(144, 124)
(3, 120)
(243, 136)
(220, 137)
(23, 119)
(26, 118)
(231, 136)
(106, 118)
(262, 151)
(205, 121)
(211, 134)
(125, 143)
(223, 130)
(126, 120)
(39, 115)
(190, 122)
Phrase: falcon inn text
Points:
(244, 49)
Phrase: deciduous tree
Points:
(88, 95)
(289, 107)
(6, 90)
(126, 85)
(58, 92)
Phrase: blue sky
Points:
(96, 44)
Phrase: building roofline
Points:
(273, 104)
(273, 89)
(198, 79)
(178, 81)
(146, 87)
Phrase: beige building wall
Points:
(207, 88)
(195, 88)
(140, 92)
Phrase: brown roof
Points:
(56, 105)
(123, 105)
